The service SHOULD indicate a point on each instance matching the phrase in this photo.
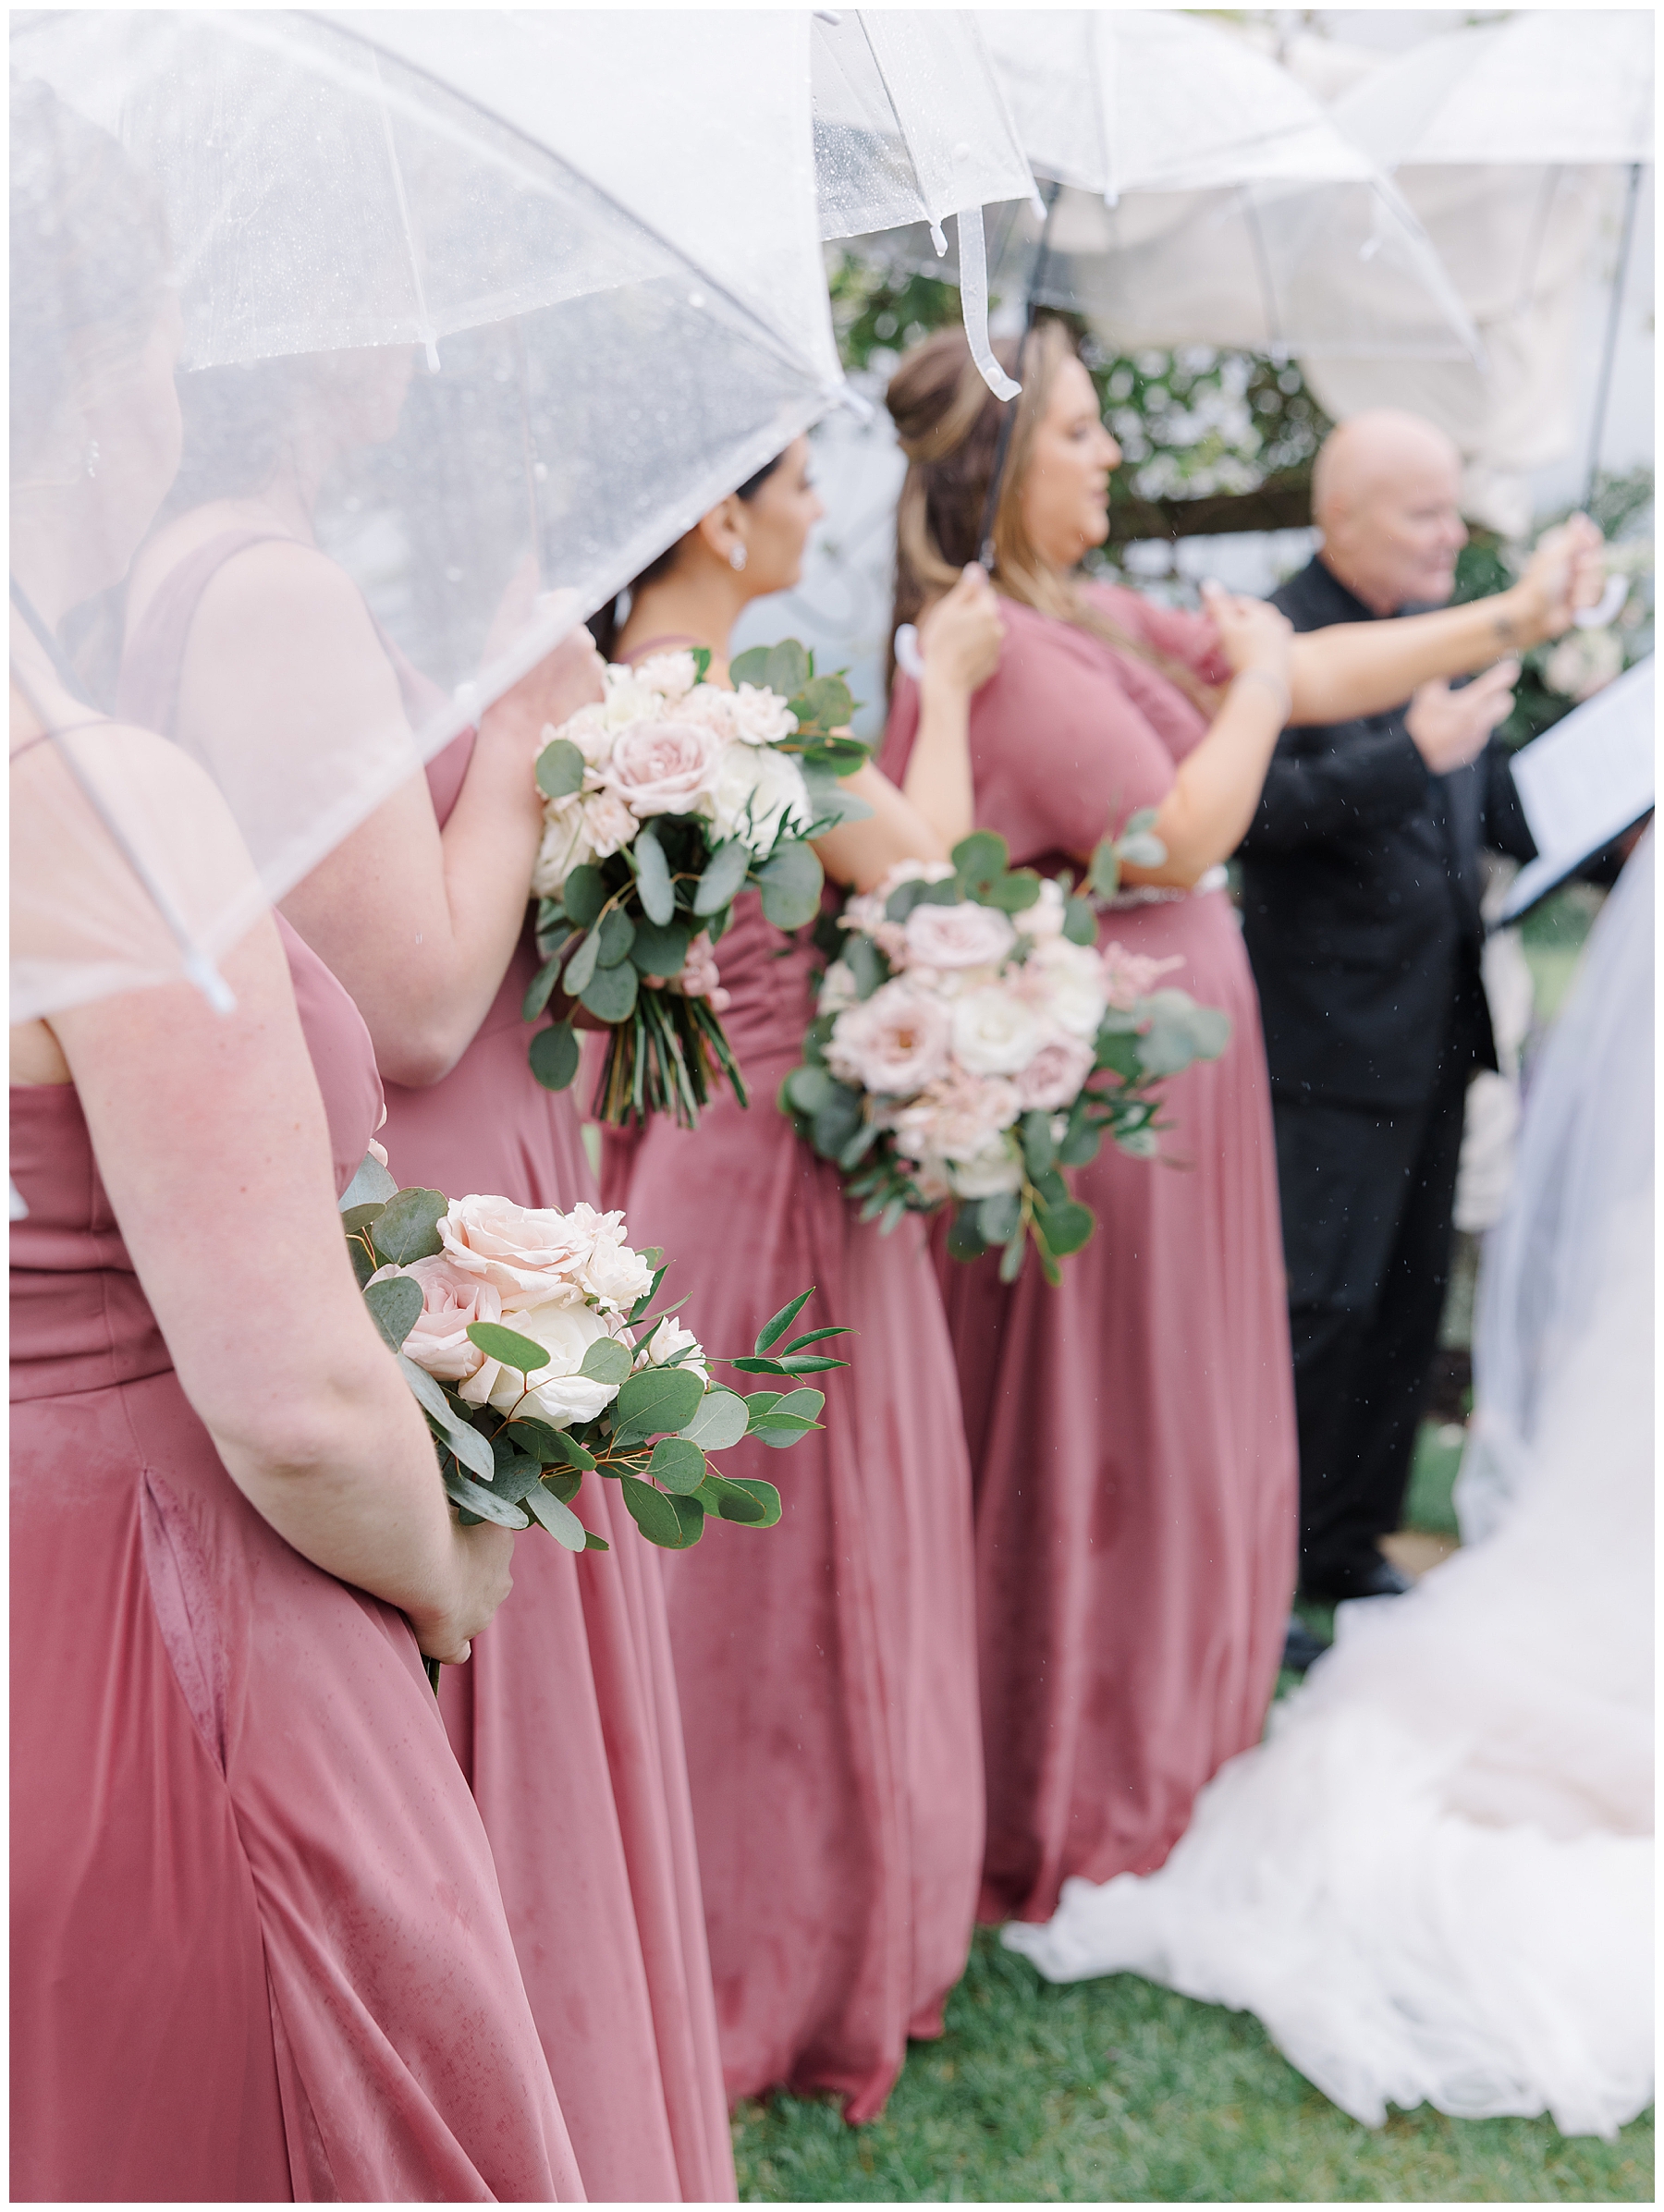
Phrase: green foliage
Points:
(508, 1346)
(878, 312)
(1116, 2092)
(559, 769)
(406, 1228)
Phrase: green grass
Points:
(1118, 2091)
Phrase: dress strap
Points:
(152, 666)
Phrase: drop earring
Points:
(92, 460)
(737, 557)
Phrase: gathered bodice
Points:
(80, 1319)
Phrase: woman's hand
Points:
(1253, 633)
(479, 1579)
(1566, 574)
(961, 636)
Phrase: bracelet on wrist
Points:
(1275, 684)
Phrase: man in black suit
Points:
(1360, 912)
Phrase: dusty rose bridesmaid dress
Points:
(826, 1665)
(257, 1948)
(1132, 1433)
(565, 1719)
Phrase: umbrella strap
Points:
(974, 301)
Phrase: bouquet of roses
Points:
(527, 1338)
(972, 1042)
(662, 803)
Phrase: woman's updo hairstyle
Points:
(88, 262)
(606, 623)
(948, 424)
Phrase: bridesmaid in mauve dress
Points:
(258, 1950)
(566, 1720)
(1133, 1432)
(827, 1666)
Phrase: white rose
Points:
(438, 1341)
(1057, 1074)
(527, 1254)
(1044, 918)
(994, 1032)
(628, 700)
(608, 824)
(955, 1119)
(761, 797)
(996, 1168)
(611, 1271)
(565, 845)
(670, 1338)
(760, 718)
(671, 675)
(1069, 981)
(967, 936)
(838, 990)
(710, 706)
(664, 767)
(555, 1393)
(892, 1044)
(589, 731)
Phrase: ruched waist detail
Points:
(80, 1331)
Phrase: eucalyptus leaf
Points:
(610, 994)
(1066, 1228)
(1079, 923)
(554, 1054)
(406, 1228)
(1039, 1151)
(750, 667)
(583, 963)
(395, 1307)
(1014, 894)
(661, 948)
(729, 1501)
(998, 1218)
(965, 1240)
(792, 882)
(481, 1502)
(653, 1513)
(607, 1360)
(1010, 1259)
(614, 937)
(426, 1391)
(653, 877)
(1104, 874)
(363, 1262)
(691, 1514)
(584, 895)
(787, 669)
(465, 1442)
(677, 1465)
(541, 989)
(654, 1402)
(1080, 1145)
(517, 1476)
(760, 1403)
(725, 874)
(595, 1543)
(823, 704)
(371, 1185)
(560, 1521)
(508, 1345)
(1143, 851)
(775, 1326)
(356, 1219)
(836, 1123)
(981, 857)
(867, 964)
(807, 1090)
(1145, 818)
(559, 769)
(766, 1496)
(525, 1433)
(718, 1421)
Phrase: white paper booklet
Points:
(1584, 782)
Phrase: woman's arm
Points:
(418, 923)
(212, 1142)
(935, 807)
(1357, 668)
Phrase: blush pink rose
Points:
(1055, 1075)
(956, 1118)
(1130, 976)
(450, 1301)
(967, 936)
(529, 1254)
(663, 767)
(893, 1044)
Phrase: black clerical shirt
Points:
(1361, 888)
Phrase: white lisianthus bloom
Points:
(608, 824)
(588, 729)
(628, 700)
(760, 798)
(671, 675)
(611, 1273)
(1044, 918)
(994, 1032)
(996, 1168)
(557, 1392)
(711, 707)
(1069, 981)
(838, 990)
(667, 1340)
(565, 845)
(761, 716)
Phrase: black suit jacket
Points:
(1361, 889)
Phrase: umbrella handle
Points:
(909, 659)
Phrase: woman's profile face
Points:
(1064, 497)
(778, 523)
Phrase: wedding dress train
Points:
(1433, 1882)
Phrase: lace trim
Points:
(1164, 894)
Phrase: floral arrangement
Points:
(972, 1042)
(527, 1338)
(662, 803)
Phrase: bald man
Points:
(1361, 913)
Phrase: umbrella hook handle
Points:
(1052, 191)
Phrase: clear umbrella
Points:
(418, 300)
(1512, 142)
(1206, 198)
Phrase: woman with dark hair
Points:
(258, 1950)
(1132, 1432)
(244, 640)
(826, 1669)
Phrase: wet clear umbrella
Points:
(427, 329)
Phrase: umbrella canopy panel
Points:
(423, 338)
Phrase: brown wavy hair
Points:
(948, 424)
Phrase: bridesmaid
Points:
(567, 1724)
(1132, 1434)
(258, 1950)
(826, 1667)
